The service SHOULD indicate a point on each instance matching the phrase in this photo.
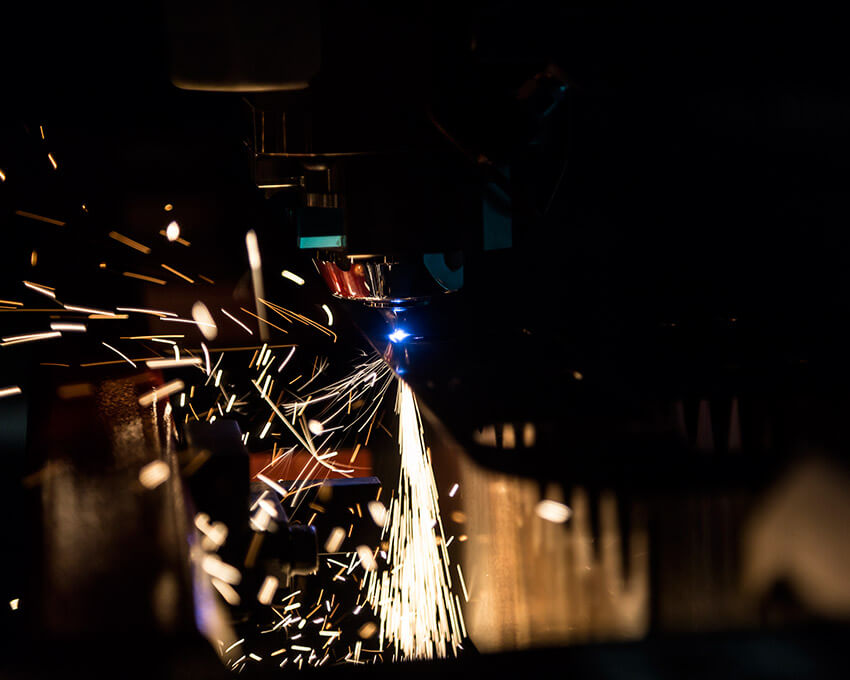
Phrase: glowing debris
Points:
(292, 277)
(141, 310)
(15, 604)
(70, 327)
(367, 630)
(90, 310)
(267, 590)
(176, 273)
(553, 511)
(329, 313)
(205, 321)
(413, 599)
(144, 277)
(130, 243)
(9, 391)
(227, 591)
(315, 427)
(40, 218)
(168, 207)
(172, 231)
(335, 539)
(234, 645)
(173, 363)
(462, 583)
(367, 559)
(529, 435)
(153, 474)
(39, 288)
(233, 318)
(218, 568)
(378, 512)
(121, 354)
(206, 357)
(29, 337)
(161, 392)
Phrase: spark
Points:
(38, 288)
(143, 277)
(367, 559)
(267, 590)
(52, 161)
(265, 321)
(30, 337)
(176, 273)
(286, 361)
(234, 645)
(14, 604)
(292, 277)
(218, 568)
(33, 258)
(168, 207)
(255, 263)
(315, 427)
(121, 354)
(463, 583)
(273, 485)
(233, 318)
(9, 391)
(11, 302)
(453, 490)
(78, 327)
(177, 320)
(335, 539)
(130, 243)
(206, 358)
(40, 218)
(2, 176)
(172, 363)
(89, 310)
(205, 321)
(153, 474)
(227, 592)
(289, 315)
(413, 600)
(141, 310)
(553, 511)
(172, 231)
(165, 390)
(329, 313)
(378, 512)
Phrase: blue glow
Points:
(398, 335)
